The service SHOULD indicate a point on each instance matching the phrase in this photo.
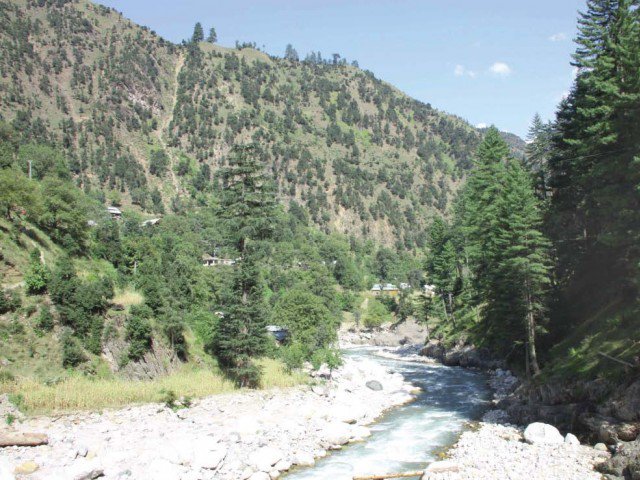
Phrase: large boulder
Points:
(374, 385)
(336, 433)
(542, 434)
(304, 459)
(264, 458)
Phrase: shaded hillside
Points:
(147, 122)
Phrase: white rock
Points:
(304, 459)
(336, 433)
(260, 476)
(204, 456)
(442, 466)
(542, 434)
(359, 432)
(601, 447)
(264, 458)
(6, 473)
(282, 465)
(571, 439)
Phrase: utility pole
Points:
(29, 161)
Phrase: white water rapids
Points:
(409, 437)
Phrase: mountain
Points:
(146, 123)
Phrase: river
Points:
(409, 437)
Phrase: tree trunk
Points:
(531, 333)
(23, 439)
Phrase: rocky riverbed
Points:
(253, 435)
(496, 449)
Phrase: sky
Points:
(489, 62)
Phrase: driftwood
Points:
(391, 475)
(23, 439)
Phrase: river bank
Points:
(248, 435)
(494, 447)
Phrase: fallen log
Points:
(614, 359)
(391, 475)
(23, 439)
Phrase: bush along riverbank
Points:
(253, 435)
(601, 415)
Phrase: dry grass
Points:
(84, 393)
(128, 298)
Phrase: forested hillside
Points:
(146, 123)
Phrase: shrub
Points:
(138, 332)
(37, 275)
(293, 356)
(45, 322)
(72, 353)
(10, 301)
(376, 314)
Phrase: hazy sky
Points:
(489, 61)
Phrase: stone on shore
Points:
(540, 433)
(265, 458)
(374, 385)
(571, 439)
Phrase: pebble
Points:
(253, 435)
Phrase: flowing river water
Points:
(409, 437)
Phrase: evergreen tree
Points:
(508, 255)
(213, 36)
(198, 33)
(594, 215)
(538, 151)
(291, 54)
(247, 203)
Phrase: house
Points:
(114, 212)
(213, 261)
(151, 222)
(429, 290)
(405, 286)
(281, 334)
(390, 289)
(387, 289)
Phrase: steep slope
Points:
(148, 122)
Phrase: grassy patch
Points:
(128, 297)
(85, 393)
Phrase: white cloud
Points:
(501, 68)
(481, 125)
(558, 37)
(460, 71)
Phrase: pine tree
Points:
(537, 152)
(593, 217)
(198, 33)
(213, 36)
(499, 224)
(247, 203)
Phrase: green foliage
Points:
(293, 356)
(138, 332)
(64, 214)
(376, 314)
(309, 321)
(158, 163)
(72, 353)
(45, 322)
(10, 301)
(18, 194)
(37, 275)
